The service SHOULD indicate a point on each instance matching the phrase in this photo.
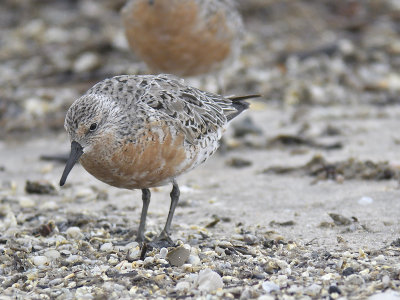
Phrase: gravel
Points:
(328, 69)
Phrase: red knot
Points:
(138, 132)
(184, 37)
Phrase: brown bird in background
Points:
(184, 37)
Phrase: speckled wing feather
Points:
(193, 111)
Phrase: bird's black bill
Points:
(76, 152)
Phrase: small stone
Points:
(364, 272)
(339, 219)
(178, 256)
(194, 260)
(40, 260)
(355, 279)
(348, 271)
(250, 239)
(129, 246)
(313, 290)
(365, 200)
(387, 295)
(327, 277)
(183, 286)
(334, 289)
(49, 205)
(84, 192)
(106, 247)
(52, 254)
(8, 219)
(26, 202)
(380, 259)
(225, 244)
(74, 233)
(88, 61)
(294, 289)
(65, 252)
(73, 259)
(148, 260)
(162, 261)
(209, 281)
(55, 282)
(40, 187)
(266, 297)
(269, 286)
(113, 260)
(163, 252)
(237, 162)
(385, 280)
(134, 253)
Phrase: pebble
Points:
(134, 253)
(387, 295)
(84, 193)
(113, 260)
(365, 200)
(355, 279)
(313, 290)
(9, 221)
(40, 260)
(194, 260)
(209, 281)
(183, 286)
(385, 280)
(327, 277)
(106, 247)
(131, 245)
(348, 271)
(53, 40)
(73, 259)
(294, 289)
(269, 286)
(163, 252)
(49, 205)
(26, 202)
(250, 239)
(86, 62)
(178, 256)
(74, 233)
(380, 259)
(266, 297)
(148, 260)
(52, 254)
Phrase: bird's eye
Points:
(93, 127)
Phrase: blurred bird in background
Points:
(184, 37)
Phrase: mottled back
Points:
(166, 98)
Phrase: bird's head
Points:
(86, 122)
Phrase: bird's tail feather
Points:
(239, 103)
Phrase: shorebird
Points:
(184, 37)
(138, 132)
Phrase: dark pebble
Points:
(348, 271)
(334, 289)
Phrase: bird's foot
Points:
(141, 239)
(162, 241)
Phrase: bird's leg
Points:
(146, 201)
(164, 235)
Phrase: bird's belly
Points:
(141, 165)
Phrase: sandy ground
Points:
(249, 196)
(242, 198)
(328, 74)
